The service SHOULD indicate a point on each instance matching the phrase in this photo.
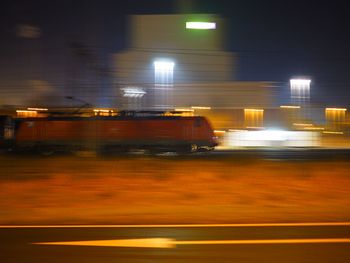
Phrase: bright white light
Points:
(300, 89)
(201, 108)
(219, 131)
(271, 138)
(133, 92)
(184, 109)
(26, 111)
(268, 135)
(335, 109)
(163, 82)
(300, 82)
(200, 25)
(332, 132)
(161, 65)
(289, 107)
(37, 109)
(163, 73)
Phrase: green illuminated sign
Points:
(200, 25)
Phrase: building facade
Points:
(179, 61)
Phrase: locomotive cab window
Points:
(198, 122)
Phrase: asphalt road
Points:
(288, 153)
(292, 243)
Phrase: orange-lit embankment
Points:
(150, 190)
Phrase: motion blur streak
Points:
(182, 225)
(171, 243)
(140, 242)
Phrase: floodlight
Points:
(163, 65)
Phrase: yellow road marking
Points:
(264, 241)
(171, 243)
(141, 242)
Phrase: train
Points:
(120, 133)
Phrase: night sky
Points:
(273, 40)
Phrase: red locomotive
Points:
(124, 132)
